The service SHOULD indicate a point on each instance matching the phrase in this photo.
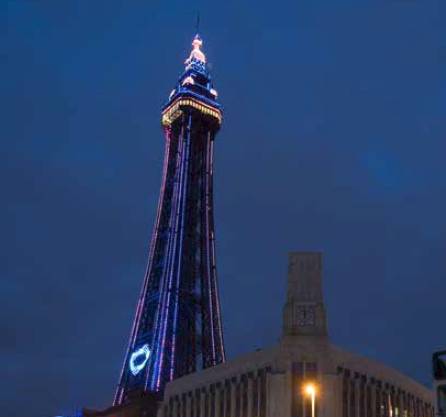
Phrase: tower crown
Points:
(193, 90)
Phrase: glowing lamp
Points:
(188, 80)
(310, 389)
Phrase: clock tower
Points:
(304, 311)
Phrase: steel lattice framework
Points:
(177, 328)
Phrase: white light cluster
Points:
(188, 80)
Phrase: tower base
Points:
(143, 404)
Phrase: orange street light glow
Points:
(310, 389)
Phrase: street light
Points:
(310, 390)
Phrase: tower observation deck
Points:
(177, 328)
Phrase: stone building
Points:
(270, 382)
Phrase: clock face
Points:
(305, 316)
(138, 359)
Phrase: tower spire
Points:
(197, 25)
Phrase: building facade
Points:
(271, 382)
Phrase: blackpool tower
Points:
(177, 328)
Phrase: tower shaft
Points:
(177, 326)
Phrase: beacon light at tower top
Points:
(196, 54)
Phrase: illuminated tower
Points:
(177, 328)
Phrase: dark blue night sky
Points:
(334, 139)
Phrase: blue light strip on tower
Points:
(168, 275)
(182, 180)
(209, 272)
(183, 212)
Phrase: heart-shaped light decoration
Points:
(139, 359)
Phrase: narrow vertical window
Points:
(297, 376)
(228, 398)
(352, 398)
(255, 397)
(212, 401)
(237, 400)
(345, 385)
(262, 393)
(198, 402)
(244, 396)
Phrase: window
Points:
(228, 398)
(352, 398)
(362, 404)
(212, 401)
(262, 393)
(345, 385)
(244, 396)
(198, 402)
(170, 407)
(206, 402)
(441, 399)
(378, 409)
(237, 400)
(183, 405)
(255, 397)
(297, 375)
(221, 405)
